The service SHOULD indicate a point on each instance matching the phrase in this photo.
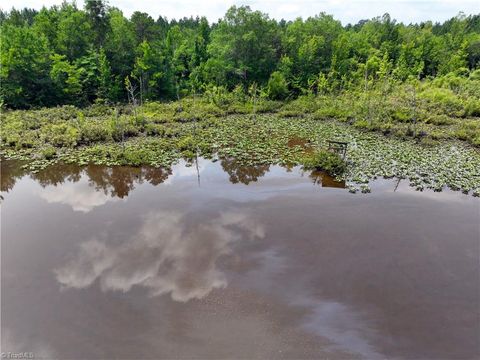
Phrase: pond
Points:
(215, 260)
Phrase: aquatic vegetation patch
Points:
(325, 160)
(369, 155)
(186, 131)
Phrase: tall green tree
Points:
(25, 66)
(75, 34)
(243, 47)
(106, 90)
(310, 46)
(67, 79)
(120, 50)
(97, 12)
(147, 71)
(143, 26)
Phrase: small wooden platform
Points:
(338, 147)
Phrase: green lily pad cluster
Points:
(369, 155)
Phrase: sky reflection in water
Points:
(224, 260)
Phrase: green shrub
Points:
(186, 143)
(277, 87)
(239, 94)
(139, 123)
(469, 131)
(60, 135)
(462, 72)
(188, 154)
(48, 152)
(362, 124)
(476, 140)
(239, 108)
(332, 112)
(172, 131)
(439, 119)
(161, 118)
(303, 104)
(267, 106)
(326, 161)
(401, 115)
(134, 156)
(11, 132)
(66, 112)
(12, 140)
(385, 127)
(27, 140)
(438, 135)
(97, 109)
(200, 110)
(475, 75)
(290, 114)
(443, 101)
(94, 131)
(472, 107)
(123, 127)
(218, 95)
(155, 129)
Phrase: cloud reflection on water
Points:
(80, 196)
(164, 256)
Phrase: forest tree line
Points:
(69, 55)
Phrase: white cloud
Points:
(80, 196)
(347, 11)
(164, 257)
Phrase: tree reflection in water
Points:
(244, 174)
(10, 171)
(117, 181)
(120, 180)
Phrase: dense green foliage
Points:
(405, 97)
(286, 133)
(325, 160)
(67, 55)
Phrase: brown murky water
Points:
(234, 262)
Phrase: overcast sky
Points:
(348, 11)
